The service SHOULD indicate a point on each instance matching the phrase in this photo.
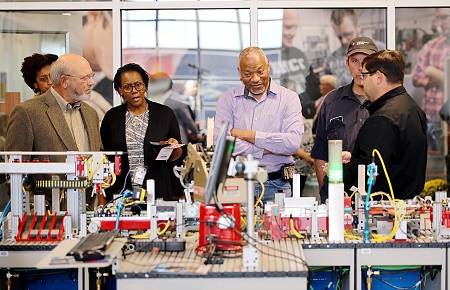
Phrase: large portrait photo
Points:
(305, 44)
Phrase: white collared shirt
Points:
(74, 121)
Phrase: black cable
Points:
(341, 273)
(211, 243)
(118, 197)
(272, 248)
(73, 274)
(210, 256)
(378, 278)
(35, 275)
(340, 277)
(296, 258)
(364, 278)
(433, 272)
(387, 272)
(146, 264)
(214, 241)
(217, 203)
(121, 191)
(333, 273)
(392, 285)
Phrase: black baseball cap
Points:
(361, 44)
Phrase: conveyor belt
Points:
(27, 246)
(277, 259)
(425, 240)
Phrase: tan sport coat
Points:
(38, 124)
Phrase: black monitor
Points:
(218, 169)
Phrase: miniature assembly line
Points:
(283, 219)
(231, 222)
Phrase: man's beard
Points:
(77, 97)
(258, 92)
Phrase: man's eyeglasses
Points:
(370, 73)
(85, 78)
(128, 88)
(363, 74)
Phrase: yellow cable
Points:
(347, 235)
(143, 194)
(130, 203)
(107, 185)
(110, 208)
(147, 235)
(141, 236)
(385, 171)
(96, 167)
(397, 218)
(261, 196)
(164, 229)
(296, 233)
(243, 223)
(91, 172)
(397, 221)
(380, 193)
(88, 162)
(262, 221)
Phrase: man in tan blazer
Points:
(58, 120)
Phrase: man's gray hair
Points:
(57, 69)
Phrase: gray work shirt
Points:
(341, 117)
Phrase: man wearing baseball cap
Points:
(343, 111)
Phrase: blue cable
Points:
(372, 173)
(5, 212)
(126, 193)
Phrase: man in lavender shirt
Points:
(265, 118)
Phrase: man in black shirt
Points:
(396, 128)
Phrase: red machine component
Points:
(347, 204)
(117, 165)
(348, 221)
(97, 188)
(348, 217)
(79, 162)
(125, 223)
(446, 218)
(278, 229)
(279, 224)
(268, 213)
(41, 228)
(220, 229)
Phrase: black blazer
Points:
(162, 126)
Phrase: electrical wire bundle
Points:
(383, 273)
(336, 279)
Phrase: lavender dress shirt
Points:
(276, 118)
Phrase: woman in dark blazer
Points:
(132, 128)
